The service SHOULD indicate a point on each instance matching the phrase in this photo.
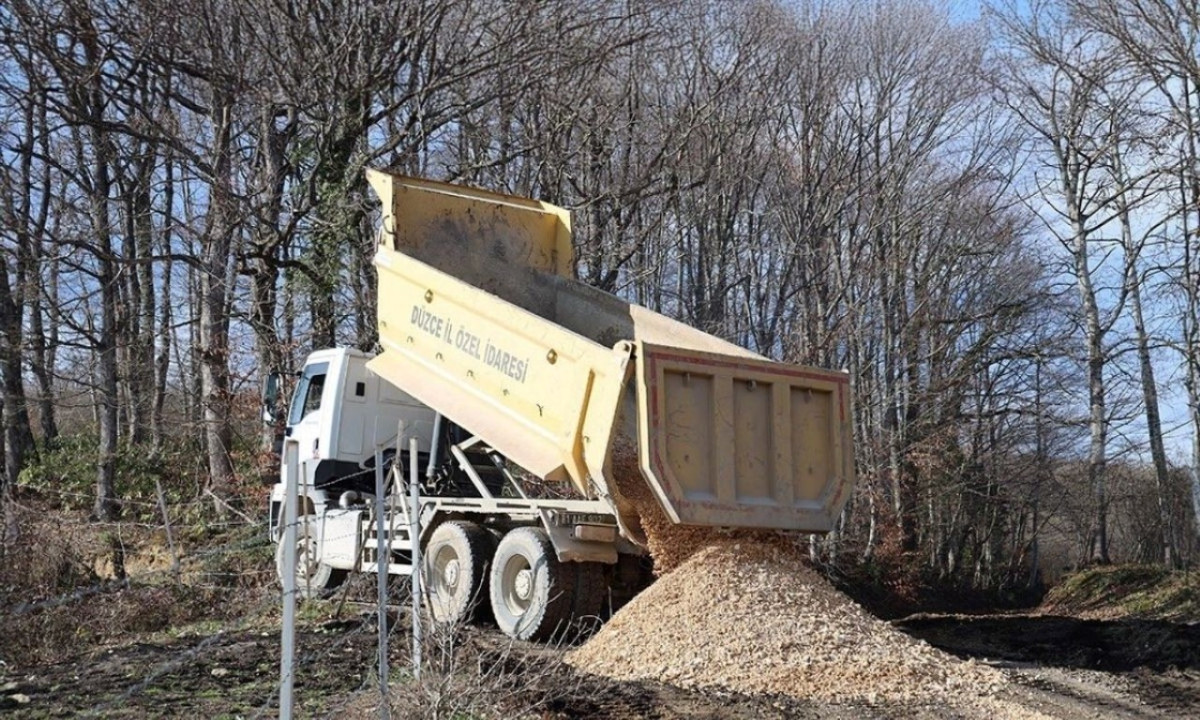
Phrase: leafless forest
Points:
(990, 223)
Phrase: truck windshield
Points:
(307, 397)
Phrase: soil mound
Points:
(749, 616)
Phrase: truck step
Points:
(392, 568)
(398, 531)
(399, 543)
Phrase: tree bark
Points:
(215, 268)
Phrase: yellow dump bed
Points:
(480, 320)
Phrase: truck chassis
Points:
(540, 567)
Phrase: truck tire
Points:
(314, 579)
(591, 595)
(457, 558)
(536, 597)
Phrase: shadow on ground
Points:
(1107, 645)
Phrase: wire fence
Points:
(194, 583)
(231, 562)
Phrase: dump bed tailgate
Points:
(739, 442)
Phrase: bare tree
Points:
(69, 51)
(25, 216)
(1069, 91)
(1160, 39)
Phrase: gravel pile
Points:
(740, 610)
(749, 616)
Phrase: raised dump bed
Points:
(480, 320)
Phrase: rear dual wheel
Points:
(457, 558)
(536, 597)
(519, 579)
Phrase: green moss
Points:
(1128, 590)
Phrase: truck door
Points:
(304, 416)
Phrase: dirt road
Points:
(1071, 668)
(1061, 668)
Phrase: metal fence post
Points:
(287, 649)
(383, 558)
(162, 506)
(414, 532)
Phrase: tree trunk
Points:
(104, 344)
(214, 297)
(1158, 453)
(162, 358)
(142, 304)
(18, 439)
(1097, 420)
(1191, 344)
(106, 505)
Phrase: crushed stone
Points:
(752, 617)
(742, 610)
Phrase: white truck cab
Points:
(341, 413)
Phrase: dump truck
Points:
(527, 392)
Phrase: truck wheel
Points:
(456, 571)
(314, 579)
(591, 595)
(536, 597)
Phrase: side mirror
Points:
(270, 397)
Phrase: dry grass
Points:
(467, 675)
(68, 586)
